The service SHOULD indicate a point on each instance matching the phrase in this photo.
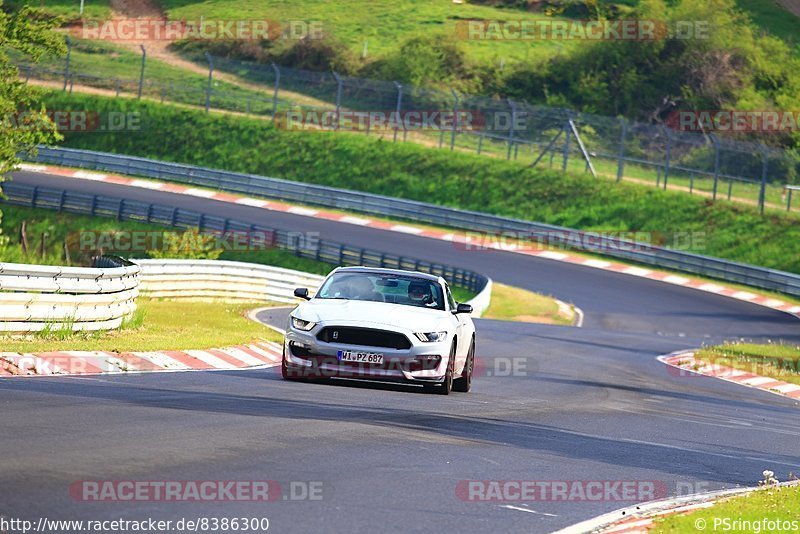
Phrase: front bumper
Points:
(306, 356)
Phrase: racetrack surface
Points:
(589, 404)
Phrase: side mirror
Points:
(463, 308)
(302, 292)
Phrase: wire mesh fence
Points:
(609, 148)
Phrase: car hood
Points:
(381, 314)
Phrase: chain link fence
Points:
(609, 148)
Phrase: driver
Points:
(419, 293)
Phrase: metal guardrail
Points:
(234, 280)
(322, 250)
(219, 279)
(36, 297)
(760, 277)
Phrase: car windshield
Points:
(380, 287)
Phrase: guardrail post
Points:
(762, 194)
(338, 98)
(621, 155)
(341, 254)
(668, 155)
(456, 120)
(66, 64)
(141, 72)
(119, 209)
(398, 107)
(789, 200)
(716, 164)
(210, 79)
(116, 87)
(275, 91)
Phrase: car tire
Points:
(464, 383)
(447, 384)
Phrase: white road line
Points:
(521, 509)
(744, 295)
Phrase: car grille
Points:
(363, 336)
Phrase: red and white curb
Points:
(641, 518)
(458, 239)
(259, 355)
(685, 364)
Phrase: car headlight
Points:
(431, 337)
(302, 325)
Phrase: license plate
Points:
(360, 357)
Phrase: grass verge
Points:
(750, 511)
(159, 325)
(735, 232)
(515, 304)
(778, 361)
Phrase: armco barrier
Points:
(219, 279)
(234, 280)
(759, 277)
(35, 297)
(322, 250)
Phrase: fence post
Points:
(338, 98)
(116, 87)
(621, 161)
(455, 121)
(567, 131)
(668, 155)
(275, 91)
(513, 107)
(397, 109)
(141, 71)
(716, 164)
(762, 194)
(210, 79)
(66, 64)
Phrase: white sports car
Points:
(382, 325)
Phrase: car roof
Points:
(396, 272)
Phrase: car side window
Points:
(450, 298)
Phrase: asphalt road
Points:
(589, 404)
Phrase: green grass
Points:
(770, 16)
(514, 304)
(384, 24)
(353, 161)
(773, 504)
(160, 325)
(69, 9)
(778, 361)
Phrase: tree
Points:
(25, 32)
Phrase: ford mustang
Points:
(381, 325)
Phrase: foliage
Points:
(26, 31)
(190, 245)
(449, 178)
